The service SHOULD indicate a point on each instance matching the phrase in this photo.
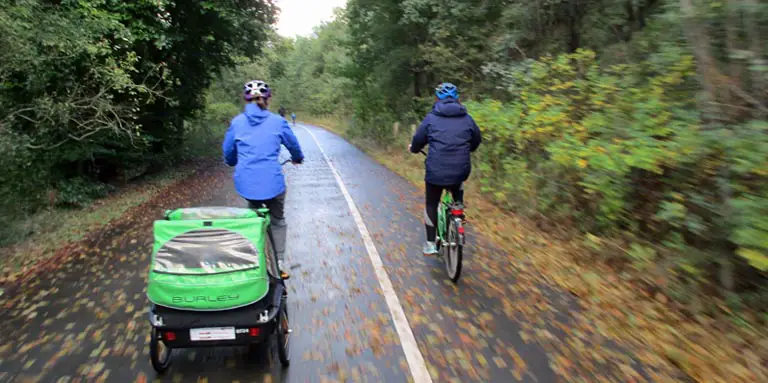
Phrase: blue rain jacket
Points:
(252, 145)
(452, 135)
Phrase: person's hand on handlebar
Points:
(420, 151)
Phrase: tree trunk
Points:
(643, 11)
(755, 45)
(735, 68)
(706, 65)
(417, 84)
(726, 271)
(574, 21)
(629, 7)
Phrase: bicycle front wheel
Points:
(454, 250)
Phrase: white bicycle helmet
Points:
(256, 88)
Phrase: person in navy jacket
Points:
(452, 135)
(252, 145)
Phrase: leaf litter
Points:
(607, 314)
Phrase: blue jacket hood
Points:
(255, 114)
(452, 135)
(449, 108)
(252, 145)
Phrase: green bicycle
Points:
(450, 234)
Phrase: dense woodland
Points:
(96, 92)
(643, 121)
(639, 120)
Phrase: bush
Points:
(204, 134)
(79, 192)
(618, 150)
(23, 177)
(105, 87)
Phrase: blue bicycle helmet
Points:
(445, 90)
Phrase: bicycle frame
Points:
(446, 203)
(442, 210)
(264, 212)
(450, 233)
(448, 209)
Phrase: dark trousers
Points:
(433, 193)
(279, 227)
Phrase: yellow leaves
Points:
(520, 367)
(761, 171)
(481, 359)
(593, 241)
(582, 163)
(758, 259)
(29, 364)
(562, 86)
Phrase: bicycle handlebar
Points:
(287, 161)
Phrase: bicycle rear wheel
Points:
(283, 335)
(453, 251)
(159, 353)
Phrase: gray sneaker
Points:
(430, 248)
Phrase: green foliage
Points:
(79, 192)
(605, 114)
(204, 133)
(99, 88)
(614, 149)
(313, 78)
(751, 230)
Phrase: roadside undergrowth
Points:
(43, 236)
(727, 347)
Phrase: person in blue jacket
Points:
(252, 145)
(452, 135)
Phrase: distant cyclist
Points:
(293, 117)
(252, 145)
(452, 135)
(281, 111)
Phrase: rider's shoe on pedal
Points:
(430, 248)
(283, 273)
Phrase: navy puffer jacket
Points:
(452, 135)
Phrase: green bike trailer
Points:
(207, 259)
(214, 281)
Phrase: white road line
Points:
(415, 360)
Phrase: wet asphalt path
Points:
(87, 321)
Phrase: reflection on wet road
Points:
(87, 321)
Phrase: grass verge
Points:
(728, 347)
(39, 236)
